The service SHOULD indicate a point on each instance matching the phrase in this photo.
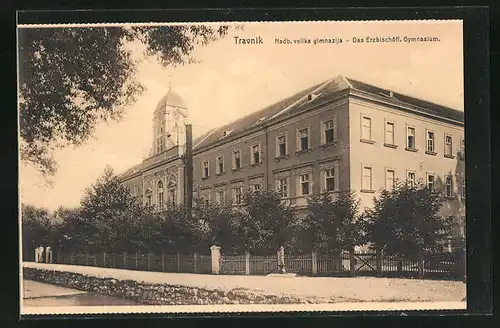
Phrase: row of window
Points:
(366, 135)
(390, 180)
(282, 187)
(160, 198)
(303, 144)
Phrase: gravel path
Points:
(366, 289)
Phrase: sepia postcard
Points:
(241, 167)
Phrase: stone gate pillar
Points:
(215, 259)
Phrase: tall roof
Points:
(317, 94)
(423, 105)
(302, 101)
(171, 99)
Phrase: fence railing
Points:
(444, 265)
(186, 263)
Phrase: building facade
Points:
(336, 136)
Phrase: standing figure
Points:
(281, 260)
(39, 258)
(37, 254)
(48, 254)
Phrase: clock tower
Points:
(169, 124)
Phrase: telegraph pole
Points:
(188, 169)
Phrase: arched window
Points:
(160, 195)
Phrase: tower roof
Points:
(171, 99)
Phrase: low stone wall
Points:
(153, 294)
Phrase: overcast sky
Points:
(233, 80)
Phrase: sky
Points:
(232, 80)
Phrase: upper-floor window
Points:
(206, 169)
(366, 128)
(430, 181)
(160, 195)
(389, 133)
(448, 145)
(303, 139)
(448, 187)
(220, 164)
(367, 177)
(255, 156)
(236, 159)
(171, 196)
(430, 141)
(328, 133)
(410, 136)
(282, 187)
(390, 179)
(411, 178)
(304, 184)
(220, 196)
(281, 149)
(238, 195)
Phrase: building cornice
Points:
(302, 165)
(284, 169)
(274, 123)
(150, 167)
(256, 176)
(408, 108)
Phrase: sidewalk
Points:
(35, 289)
(364, 289)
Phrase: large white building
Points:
(339, 135)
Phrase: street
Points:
(336, 289)
(42, 294)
